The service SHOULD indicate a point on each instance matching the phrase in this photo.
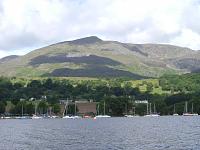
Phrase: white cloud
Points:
(3, 53)
(14, 52)
(189, 38)
(34, 23)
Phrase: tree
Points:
(30, 108)
(34, 84)
(2, 107)
(56, 108)
(42, 107)
(48, 84)
(149, 87)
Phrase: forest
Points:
(119, 94)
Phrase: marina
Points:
(98, 115)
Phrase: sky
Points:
(29, 24)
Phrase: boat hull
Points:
(102, 116)
(152, 115)
(188, 114)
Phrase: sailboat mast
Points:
(192, 108)
(35, 109)
(50, 111)
(174, 108)
(104, 107)
(75, 108)
(97, 109)
(22, 110)
(47, 111)
(65, 109)
(186, 105)
(126, 109)
(150, 109)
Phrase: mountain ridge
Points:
(77, 56)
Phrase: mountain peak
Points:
(86, 40)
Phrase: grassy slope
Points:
(141, 84)
(116, 52)
(143, 88)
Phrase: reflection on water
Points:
(139, 133)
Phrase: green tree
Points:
(30, 108)
(56, 108)
(42, 107)
(2, 107)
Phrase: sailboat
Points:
(194, 114)
(70, 117)
(75, 114)
(35, 115)
(65, 110)
(186, 110)
(131, 116)
(22, 114)
(50, 115)
(104, 115)
(150, 114)
(175, 114)
(128, 116)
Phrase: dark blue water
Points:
(139, 133)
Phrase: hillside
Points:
(93, 57)
(8, 58)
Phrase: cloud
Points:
(25, 25)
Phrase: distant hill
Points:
(94, 57)
(8, 58)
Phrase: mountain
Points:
(8, 58)
(94, 57)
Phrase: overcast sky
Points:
(29, 24)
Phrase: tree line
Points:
(119, 95)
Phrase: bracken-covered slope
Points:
(93, 57)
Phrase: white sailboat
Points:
(104, 115)
(194, 114)
(150, 114)
(35, 115)
(50, 114)
(68, 116)
(22, 114)
(75, 113)
(131, 116)
(126, 109)
(175, 114)
(186, 111)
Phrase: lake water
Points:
(139, 133)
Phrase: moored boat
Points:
(22, 117)
(36, 117)
(175, 114)
(102, 116)
(186, 111)
(128, 116)
(190, 114)
(71, 117)
(131, 116)
(150, 114)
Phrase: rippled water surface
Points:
(139, 133)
